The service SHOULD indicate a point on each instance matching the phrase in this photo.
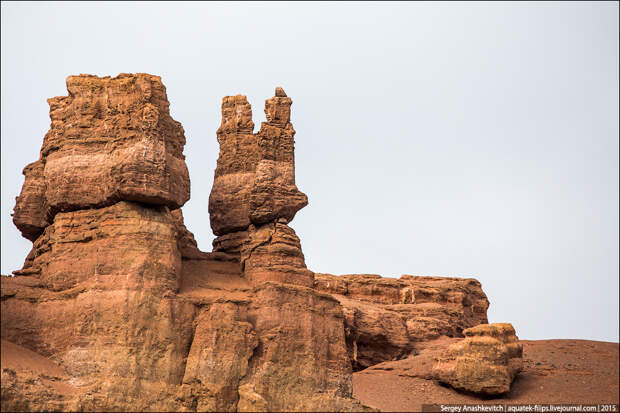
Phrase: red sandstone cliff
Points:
(117, 296)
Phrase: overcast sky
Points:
(456, 139)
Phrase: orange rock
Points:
(387, 318)
(272, 252)
(116, 292)
(185, 239)
(255, 175)
(485, 362)
(111, 139)
(104, 304)
(31, 214)
(223, 344)
(300, 363)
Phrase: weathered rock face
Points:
(297, 357)
(111, 139)
(386, 318)
(254, 194)
(117, 294)
(103, 303)
(255, 176)
(272, 252)
(98, 291)
(300, 362)
(485, 362)
(117, 299)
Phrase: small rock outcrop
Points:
(486, 362)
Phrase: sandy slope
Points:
(555, 371)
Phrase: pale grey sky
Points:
(455, 139)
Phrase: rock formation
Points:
(129, 314)
(115, 291)
(254, 194)
(485, 362)
(387, 318)
(97, 293)
(293, 355)
(109, 140)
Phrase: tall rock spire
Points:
(254, 194)
(255, 175)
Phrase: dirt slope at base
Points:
(554, 371)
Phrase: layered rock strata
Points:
(116, 293)
(129, 314)
(254, 195)
(485, 362)
(110, 139)
(255, 175)
(98, 292)
(285, 348)
(387, 318)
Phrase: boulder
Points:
(486, 362)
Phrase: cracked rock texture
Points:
(116, 308)
(485, 362)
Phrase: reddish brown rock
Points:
(31, 382)
(186, 242)
(92, 243)
(255, 175)
(122, 299)
(486, 362)
(117, 294)
(554, 371)
(272, 252)
(104, 305)
(300, 363)
(111, 139)
(386, 318)
(223, 344)
(31, 213)
(231, 243)
(254, 194)
(298, 360)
